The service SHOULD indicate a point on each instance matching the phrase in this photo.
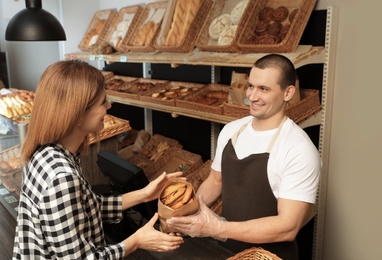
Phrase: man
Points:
(266, 169)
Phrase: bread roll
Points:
(227, 35)
(237, 11)
(218, 25)
(143, 32)
(14, 162)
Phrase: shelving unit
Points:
(304, 55)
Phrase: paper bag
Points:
(165, 212)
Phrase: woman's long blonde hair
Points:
(66, 89)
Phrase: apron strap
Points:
(270, 146)
(236, 135)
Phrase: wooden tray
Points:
(186, 44)
(173, 160)
(119, 126)
(123, 26)
(5, 156)
(286, 40)
(130, 43)
(215, 108)
(307, 106)
(170, 101)
(206, 43)
(120, 91)
(99, 25)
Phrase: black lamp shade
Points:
(34, 24)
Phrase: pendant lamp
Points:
(34, 24)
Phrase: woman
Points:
(59, 216)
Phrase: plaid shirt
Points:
(59, 217)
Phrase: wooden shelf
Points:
(305, 54)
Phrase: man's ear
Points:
(289, 92)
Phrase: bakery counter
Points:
(192, 248)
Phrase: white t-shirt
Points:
(294, 162)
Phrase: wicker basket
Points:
(173, 160)
(140, 161)
(287, 39)
(170, 101)
(121, 90)
(100, 24)
(205, 43)
(134, 12)
(199, 175)
(307, 106)
(107, 75)
(129, 44)
(119, 126)
(152, 145)
(188, 43)
(215, 108)
(255, 253)
(5, 156)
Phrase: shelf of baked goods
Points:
(304, 54)
(175, 111)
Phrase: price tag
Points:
(72, 56)
(100, 57)
(123, 59)
(91, 57)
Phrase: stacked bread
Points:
(173, 92)
(176, 195)
(149, 27)
(121, 29)
(184, 14)
(17, 105)
(223, 28)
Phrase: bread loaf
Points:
(227, 35)
(184, 14)
(218, 25)
(143, 33)
(237, 11)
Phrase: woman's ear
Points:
(289, 92)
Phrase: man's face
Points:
(265, 96)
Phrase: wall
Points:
(352, 226)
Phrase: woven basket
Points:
(173, 160)
(290, 40)
(150, 148)
(119, 126)
(129, 44)
(215, 108)
(254, 253)
(205, 43)
(188, 43)
(121, 91)
(140, 161)
(148, 97)
(307, 106)
(199, 175)
(107, 17)
(8, 154)
(107, 74)
(135, 11)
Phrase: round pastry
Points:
(227, 35)
(14, 162)
(274, 28)
(262, 26)
(284, 30)
(218, 25)
(280, 14)
(266, 13)
(237, 11)
(269, 39)
(5, 167)
(293, 15)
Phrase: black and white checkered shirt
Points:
(59, 217)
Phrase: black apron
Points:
(247, 194)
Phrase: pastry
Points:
(262, 26)
(293, 15)
(218, 25)
(227, 35)
(14, 163)
(280, 14)
(143, 32)
(237, 11)
(274, 28)
(5, 167)
(266, 13)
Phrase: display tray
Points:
(174, 160)
(276, 28)
(168, 40)
(299, 111)
(225, 11)
(10, 162)
(148, 26)
(123, 26)
(115, 127)
(98, 28)
(208, 99)
(167, 94)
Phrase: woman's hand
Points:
(148, 238)
(153, 189)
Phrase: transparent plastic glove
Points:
(205, 223)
